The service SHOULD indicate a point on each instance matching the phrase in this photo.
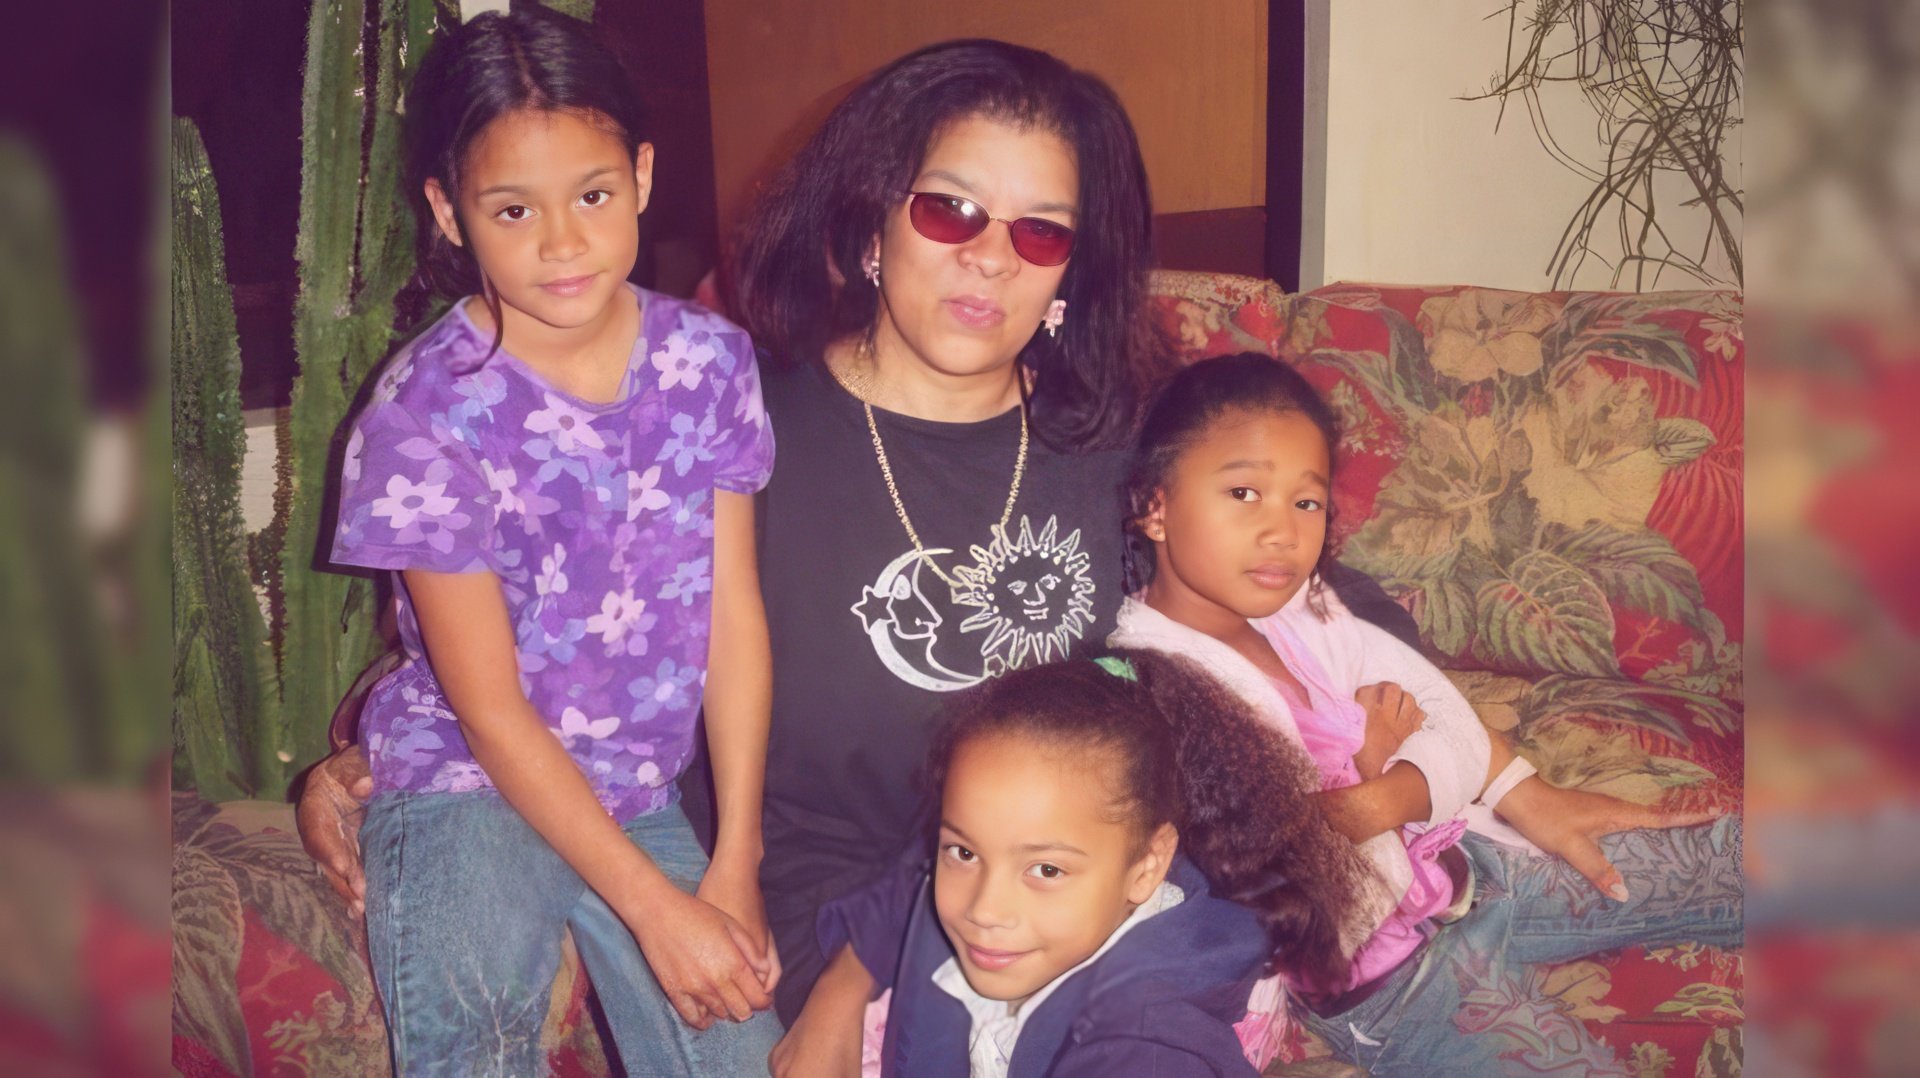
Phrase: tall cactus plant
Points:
(226, 692)
(354, 254)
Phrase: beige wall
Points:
(1418, 188)
(1192, 75)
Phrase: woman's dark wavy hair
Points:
(1186, 406)
(492, 65)
(1191, 754)
(797, 283)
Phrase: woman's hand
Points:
(1392, 717)
(1570, 823)
(1377, 805)
(698, 954)
(825, 1039)
(328, 816)
(732, 886)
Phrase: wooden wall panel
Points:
(1193, 76)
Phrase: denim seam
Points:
(394, 930)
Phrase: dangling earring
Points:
(1056, 314)
(871, 266)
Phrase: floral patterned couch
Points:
(1551, 483)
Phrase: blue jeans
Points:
(465, 908)
(1469, 1002)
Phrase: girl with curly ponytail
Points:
(1121, 849)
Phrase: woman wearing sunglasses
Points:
(949, 279)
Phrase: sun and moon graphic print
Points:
(1024, 597)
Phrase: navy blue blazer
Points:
(1160, 1004)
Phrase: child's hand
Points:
(733, 887)
(1569, 824)
(699, 956)
(825, 1040)
(1392, 717)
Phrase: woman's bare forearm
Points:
(1376, 806)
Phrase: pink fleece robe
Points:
(1333, 658)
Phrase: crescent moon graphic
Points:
(886, 641)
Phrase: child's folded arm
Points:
(1452, 748)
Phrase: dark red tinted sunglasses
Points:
(952, 219)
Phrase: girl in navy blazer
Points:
(1122, 849)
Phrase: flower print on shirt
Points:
(690, 442)
(667, 687)
(552, 578)
(536, 509)
(553, 639)
(751, 410)
(413, 741)
(681, 362)
(422, 512)
(694, 517)
(644, 493)
(571, 428)
(503, 481)
(513, 575)
(554, 463)
(574, 723)
(609, 478)
(622, 623)
(443, 433)
(627, 553)
(480, 391)
(407, 501)
(690, 578)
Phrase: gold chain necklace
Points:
(858, 384)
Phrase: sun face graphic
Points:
(1031, 595)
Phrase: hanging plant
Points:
(1663, 78)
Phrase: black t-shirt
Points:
(869, 641)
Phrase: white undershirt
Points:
(997, 1025)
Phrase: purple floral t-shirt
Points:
(597, 518)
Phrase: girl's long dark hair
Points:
(1191, 754)
(797, 283)
(489, 66)
(1186, 406)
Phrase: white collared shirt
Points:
(997, 1025)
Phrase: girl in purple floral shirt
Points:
(559, 471)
